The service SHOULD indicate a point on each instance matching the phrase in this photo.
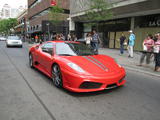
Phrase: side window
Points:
(48, 48)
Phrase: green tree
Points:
(99, 10)
(7, 25)
(95, 11)
(56, 13)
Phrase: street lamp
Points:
(23, 32)
(48, 31)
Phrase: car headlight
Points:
(75, 67)
(20, 42)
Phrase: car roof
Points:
(60, 41)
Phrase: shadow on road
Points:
(83, 94)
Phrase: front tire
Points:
(31, 61)
(57, 76)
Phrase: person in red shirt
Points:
(148, 44)
(157, 54)
(36, 39)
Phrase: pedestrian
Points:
(58, 37)
(69, 37)
(148, 44)
(95, 41)
(122, 43)
(131, 44)
(36, 39)
(74, 37)
(157, 53)
(62, 37)
(88, 39)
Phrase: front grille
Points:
(111, 86)
(90, 85)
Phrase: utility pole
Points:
(48, 31)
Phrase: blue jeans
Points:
(95, 46)
(121, 49)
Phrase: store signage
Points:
(149, 21)
(154, 23)
(53, 2)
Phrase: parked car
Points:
(82, 40)
(14, 41)
(2, 38)
(73, 66)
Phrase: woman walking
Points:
(157, 54)
(88, 39)
(148, 44)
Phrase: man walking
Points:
(131, 44)
(95, 41)
(122, 40)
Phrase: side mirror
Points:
(37, 46)
(47, 51)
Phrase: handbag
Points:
(156, 49)
(125, 43)
(145, 48)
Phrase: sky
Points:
(13, 3)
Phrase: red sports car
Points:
(75, 67)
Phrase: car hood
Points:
(13, 40)
(95, 64)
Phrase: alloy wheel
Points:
(31, 60)
(56, 76)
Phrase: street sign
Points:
(53, 2)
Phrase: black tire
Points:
(57, 76)
(31, 61)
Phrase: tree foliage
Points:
(7, 25)
(98, 10)
(56, 13)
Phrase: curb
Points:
(141, 71)
(125, 66)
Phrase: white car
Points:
(2, 38)
(14, 41)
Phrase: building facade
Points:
(141, 16)
(6, 12)
(21, 28)
(40, 21)
(9, 12)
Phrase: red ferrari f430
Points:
(75, 67)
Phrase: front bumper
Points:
(73, 82)
(14, 44)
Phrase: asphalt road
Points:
(27, 94)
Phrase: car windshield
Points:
(13, 38)
(73, 49)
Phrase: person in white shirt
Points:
(88, 39)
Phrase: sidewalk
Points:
(130, 63)
(127, 63)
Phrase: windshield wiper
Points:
(65, 55)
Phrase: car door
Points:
(46, 57)
(36, 53)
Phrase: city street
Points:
(27, 94)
